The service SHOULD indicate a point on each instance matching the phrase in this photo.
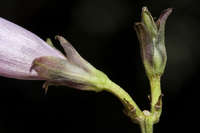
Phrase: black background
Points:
(102, 31)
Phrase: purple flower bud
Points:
(151, 35)
(23, 55)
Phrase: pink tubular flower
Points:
(23, 55)
(18, 48)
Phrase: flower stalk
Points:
(131, 108)
(156, 98)
(146, 125)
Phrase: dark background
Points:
(102, 31)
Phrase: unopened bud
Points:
(152, 41)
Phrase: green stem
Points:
(145, 119)
(155, 91)
(126, 100)
(146, 126)
(152, 117)
(142, 127)
(156, 98)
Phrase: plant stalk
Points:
(131, 108)
(156, 98)
(147, 125)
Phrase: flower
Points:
(151, 36)
(23, 55)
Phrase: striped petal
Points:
(18, 49)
